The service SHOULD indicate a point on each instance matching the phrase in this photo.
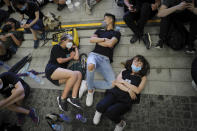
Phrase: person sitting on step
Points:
(57, 71)
(15, 90)
(126, 92)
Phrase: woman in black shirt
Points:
(58, 73)
(15, 90)
(127, 88)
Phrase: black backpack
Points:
(177, 36)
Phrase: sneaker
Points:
(89, 99)
(83, 88)
(36, 44)
(88, 8)
(75, 102)
(34, 116)
(190, 51)
(97, 118)
(20, 119)
(159, 45)
(147, 40)
(134, 39)
(194, 85)
(62, 104)
(61, 7)
(120, 126)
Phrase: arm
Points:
(18, 90)
(16, 41)
(64, 60)
(135, 89)
(95, 39)
(109, 43)
(36, 19)
(126, 2)
(76, 57)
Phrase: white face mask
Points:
(1, 86)
(69, 45)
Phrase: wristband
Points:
(104, 40)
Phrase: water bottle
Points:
(81, 118)
(34, 77)
(57, 127)
(70, 5)
(120, 29)
(65, 118)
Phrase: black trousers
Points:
(136, 21)
(182, 17)
(110, 107)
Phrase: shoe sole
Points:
(73, 103)
(59, 104)
(92, 101)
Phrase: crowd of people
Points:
(121, 92)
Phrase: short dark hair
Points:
(112, 16)
(19, 2)
(146, 66)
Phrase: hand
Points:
(114, 83)
(182, 6)
(154, 7)
(132, 94)
(74, 46)
(72, 54)
(131, 8)
(8, 35)
(25, 26)
(190, 7)
(3, 38)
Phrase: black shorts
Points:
(50, 68)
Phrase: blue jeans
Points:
(103, 66)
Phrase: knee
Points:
(91, 67)
(100, 107)
(79, 75)
(73, 75)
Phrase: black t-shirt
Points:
(106, 51)
(141, 1)
(9, 80)
(58, 52)
(32, 7)
(123, 96)
(171, 3)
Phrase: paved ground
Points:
(154, 113)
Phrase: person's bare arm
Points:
(18, 90)
(16, 41)
(192, 8)
(126, 2)
(109, 43)
(96, 39)
(76, 57)
(135, 89)
(34, 21)
(165, 11)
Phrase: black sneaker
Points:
(61, 7)
(62, 104)
(147, 40)
(134, 39)
(36, 44)
(34, 116)
(75, 102)
(190, 51)
(159, 45)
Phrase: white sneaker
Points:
(120, 126)
(194, 85)
(89, 99)
(83, 88)
(97, 118)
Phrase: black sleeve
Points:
(56, 52)
(97, 32)
(19, 35)
(10, 78)
(117, 34)
(33, 6)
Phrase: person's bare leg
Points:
(77, 84)
(70, 76)
(19, 98)
(18, 109)
(34, 34)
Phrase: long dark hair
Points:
(145, 68)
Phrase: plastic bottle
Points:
(57, 127)
(64, 117)
(81, 118)
(34, 77)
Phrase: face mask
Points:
(136, 69)
(1, 86)
(104, 24)
(23, 8)
(69, 45)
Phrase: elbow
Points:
(160, 14)
(91, 40)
